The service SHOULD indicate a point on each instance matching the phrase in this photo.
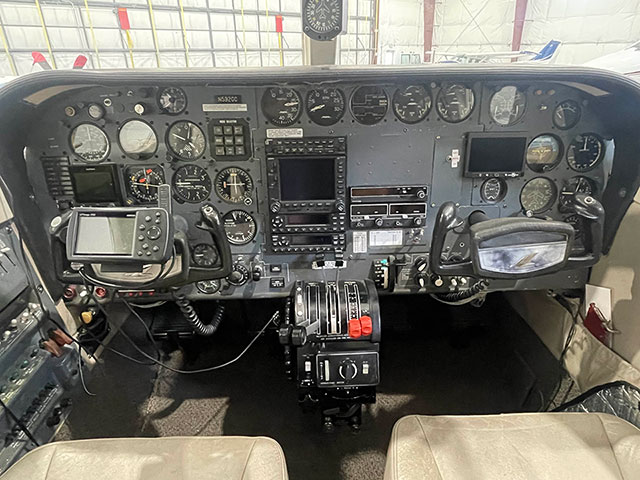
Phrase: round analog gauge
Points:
(575, 185)
(411, 104)
(137, 139)
(585, 152)
(455, 103)
(186, 140)
(208, 287)
(192, 183)
(369, 104)
(323, 16)
(89, 142)
(566, 114)
(325, 106)
(95, 111)
(544, 153)
(577, 223)
(205, 255)
(507, 105)
(172, 100)
(282, 106)
(234, 185)
(239, 226)
(538, 195)
(144, 183)
(493, 190)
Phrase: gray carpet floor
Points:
(434, 360)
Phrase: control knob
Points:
(348, 369)
(275, 207)
(340, 207)
(378, 222)
(421, 194)
(239, 275)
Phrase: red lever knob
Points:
(355, 329)
(366, 325)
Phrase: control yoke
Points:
(126, 238)
(513, 248)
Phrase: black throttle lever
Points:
(210, 221)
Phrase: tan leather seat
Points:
(540, 446)
(171, 458)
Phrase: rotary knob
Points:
(348, 369)
(239, 275)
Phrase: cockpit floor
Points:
(435, 359)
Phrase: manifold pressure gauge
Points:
(324, 20)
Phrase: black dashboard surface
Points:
(312, 166)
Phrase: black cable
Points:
(192, 317)
(562, 301)
(146, 327)
(20, 424)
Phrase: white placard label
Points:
(359, 242)
(224, 107)
(284, 133)
(385, 238)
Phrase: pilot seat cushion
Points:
(171, 458)
(540, 446)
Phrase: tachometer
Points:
(205, 255)
(538, 195)
(239, 226)
(411, 104)
(585, 152)
(282, 106)
(566, 114)
(369, 104)
(89, 142)
(544, 153)
(234, 185)
(172, 100)
(325, 106)
(455, 103)
(186, 140)
(144, 183)
(578, 184)
(137, 139)
(493, 190)
(192, 183)
(507, 105)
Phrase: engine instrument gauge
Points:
(325, 106)
(186, 140)
(493, 190)
(205, 255)
(239, 226)
(577, 222)
(322, 18)
(369, 104)
(566, 115)
(89, 142)
(144, 183)
(507, 105)
(544, 153)
(538, 195)
(455, 103)
(234, 185)
(208, 287)
(575, 185)
(137, 139)
(585, 152)
(172, 100)
(411, 104)
(192, 183)
(282, 106)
